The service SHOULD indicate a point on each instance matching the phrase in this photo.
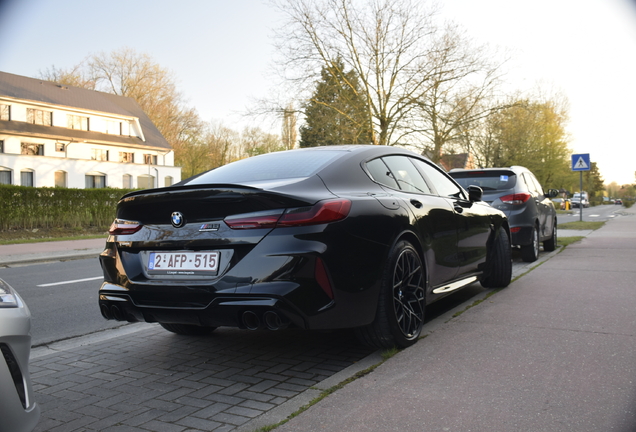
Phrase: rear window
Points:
(487, 180)
(271, 166)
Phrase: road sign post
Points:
(581, 162)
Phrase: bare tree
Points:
(255, 141)
(384, 41)
(223, 144)
(463, 79)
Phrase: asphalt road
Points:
(62, 297)
(591, 214)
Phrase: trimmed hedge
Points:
(24, 207)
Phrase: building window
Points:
(60, 147)
(39, 117)
(145, 181)
(5, 112)
(5, 176)
(26, 178)
(150, 159)
(113, 127)
(99, 154)
(168, 181)
(1, 146)
(127, 181)
(95, 180)
(32, 149)
(77, 122)
(125, 157)
(60, 179)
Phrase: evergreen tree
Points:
(337, 111)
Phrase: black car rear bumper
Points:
(244, 312)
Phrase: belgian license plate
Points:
(184, 263)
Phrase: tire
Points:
(187, 329)
(530, 253)
(401, 303)
(499, 266)
(550, 244)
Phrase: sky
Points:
(221, 53)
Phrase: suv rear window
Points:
(487, 180)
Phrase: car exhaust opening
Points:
(274, 321)
(105, 312)
(251, 321)
(116, 313)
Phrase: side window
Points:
(444, 186)
(380, 173)
(538, 186)
(532, 186)
(407, 176)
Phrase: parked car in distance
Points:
(517, 192)
(559, 203)
(580, 199)
(618, 202)
(18, 410)
(358, 236)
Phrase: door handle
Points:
(416, 203)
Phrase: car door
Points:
(473, 219)
(545, 207)
(546, 210)
(433, 217)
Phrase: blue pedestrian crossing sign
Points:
(581, 162)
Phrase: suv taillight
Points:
(515, 199)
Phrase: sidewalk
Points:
(48, 251)
(555, 351)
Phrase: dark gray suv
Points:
(517, 192)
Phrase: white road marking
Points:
(593, 215)
(70, 282)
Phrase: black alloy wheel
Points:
(401, 304)
(408, 293)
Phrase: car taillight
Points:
(323, 212)
(515, 199)
(264, 219)
(124, 227)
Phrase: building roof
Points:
(37, 90)
(459, 160)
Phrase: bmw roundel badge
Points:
(177, 219)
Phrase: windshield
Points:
(487, 180)
(267, 167)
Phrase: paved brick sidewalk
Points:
(152, 380)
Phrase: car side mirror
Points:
(475, 193)
(552, 193)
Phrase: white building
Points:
(56, 135)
